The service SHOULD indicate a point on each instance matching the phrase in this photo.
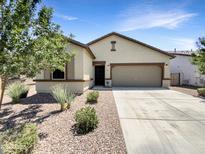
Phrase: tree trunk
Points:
(3, 86)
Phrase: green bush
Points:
(92, 96)
(86, 120)
(201, 91)
(19, 140)
(16, 91)
(62, 96)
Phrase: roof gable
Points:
(83, 46)
(132, 40)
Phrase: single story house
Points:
(183, 72)
(111, 60)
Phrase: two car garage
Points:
(131, 75)
(127, 62)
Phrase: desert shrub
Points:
(92, 96)
(201, 91)
(86, 120)
(62, 96)
(16, 91)
(19, 140)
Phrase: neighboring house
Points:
(183, 72)
(111, 60)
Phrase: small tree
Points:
(29, 40)
(199, 57)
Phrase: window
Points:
(58, 75)
(113, 45)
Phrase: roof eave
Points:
(83, 46)
(133, 40)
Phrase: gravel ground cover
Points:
(56, 128)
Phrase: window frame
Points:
(64, 77)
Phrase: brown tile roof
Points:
(133, 40)
(181, 54)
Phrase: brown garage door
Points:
(137, 75)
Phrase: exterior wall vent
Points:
(113, 46)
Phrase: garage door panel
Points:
(141, 76)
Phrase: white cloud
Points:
(66, 17)
(184, 43)
(150, 17)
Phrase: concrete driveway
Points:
(159, 121)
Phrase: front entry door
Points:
(100, 75)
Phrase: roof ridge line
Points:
(130, 39)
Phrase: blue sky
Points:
(166, 24)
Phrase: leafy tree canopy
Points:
(199, 57)
(29, 40)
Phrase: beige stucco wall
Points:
(75, 67)
(87, 85)
(40, 75)
(88, 69)
(127, 52)
(71, 69)
(165, 83)
(79, 68)
(87, 66)
(78, 61)
(47, 75)
(75, 87)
